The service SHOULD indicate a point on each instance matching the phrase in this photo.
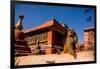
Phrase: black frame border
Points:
(12, 19)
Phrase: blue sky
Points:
(74, 17)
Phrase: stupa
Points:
(21, 47)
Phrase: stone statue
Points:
(37, 48)
(71, 42)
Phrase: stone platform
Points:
(54, 58)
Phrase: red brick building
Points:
(89, 38)
(50, 35)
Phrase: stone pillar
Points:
(50, 40)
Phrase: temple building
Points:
(49, 37)
(89, 36)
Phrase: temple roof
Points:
(49, 23)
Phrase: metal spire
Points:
(19, 23)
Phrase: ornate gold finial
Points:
(19, 23)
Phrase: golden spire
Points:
(18, 25)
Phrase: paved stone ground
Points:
(54, 58)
